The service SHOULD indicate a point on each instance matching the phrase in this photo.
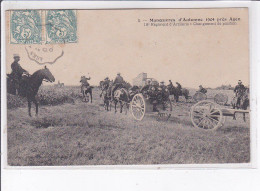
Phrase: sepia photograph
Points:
(127, 87)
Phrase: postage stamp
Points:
(61, 26)
(25, 27)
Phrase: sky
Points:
(111, 41)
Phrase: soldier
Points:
(239, 92)
(239, 88)
(105, 86)
(170, 84)
(106, 83)
(179, 89)
(178, 86)
(17, 72)
(202, 90)
(162, 86)
(146, 87)
(118, 82)
(155, 93)
(84, 82)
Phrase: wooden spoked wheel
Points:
(206, 115)
(137, 107)
(198, 96)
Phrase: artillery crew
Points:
(146, 87)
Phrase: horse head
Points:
(47, 75)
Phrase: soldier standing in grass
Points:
(239, 88)
(239, 91)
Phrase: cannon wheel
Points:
(137, 107)
(198, 96)
(221, 99)
(206, 115)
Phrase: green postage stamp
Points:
(61, 26)
(26, 27)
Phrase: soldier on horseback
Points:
(17, 73)
(104, 86)
(84, 82)
(118, 82)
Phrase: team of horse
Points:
(124, 94)
(30, 84)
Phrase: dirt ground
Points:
(85, 134)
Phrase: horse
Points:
(178, 92)
(85, 91)
(106, 99)
(122, 97)
(101, 84)
(29, 86)
(241, 101)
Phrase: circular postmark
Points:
(44, 54)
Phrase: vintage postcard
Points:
(127, 86)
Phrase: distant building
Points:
(140, 80)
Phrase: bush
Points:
(47, 95)
(15, 101)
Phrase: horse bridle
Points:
(45, 80)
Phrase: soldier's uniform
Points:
(178, 86)
(84, 82)
(179, 89)
(162, 86)
(170, 84)
(202, 90)
(105, 86)
(239, 91)
(146, 87)
(119, 82)
(17, 71)
(239, 88)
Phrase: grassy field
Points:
(77, 133)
